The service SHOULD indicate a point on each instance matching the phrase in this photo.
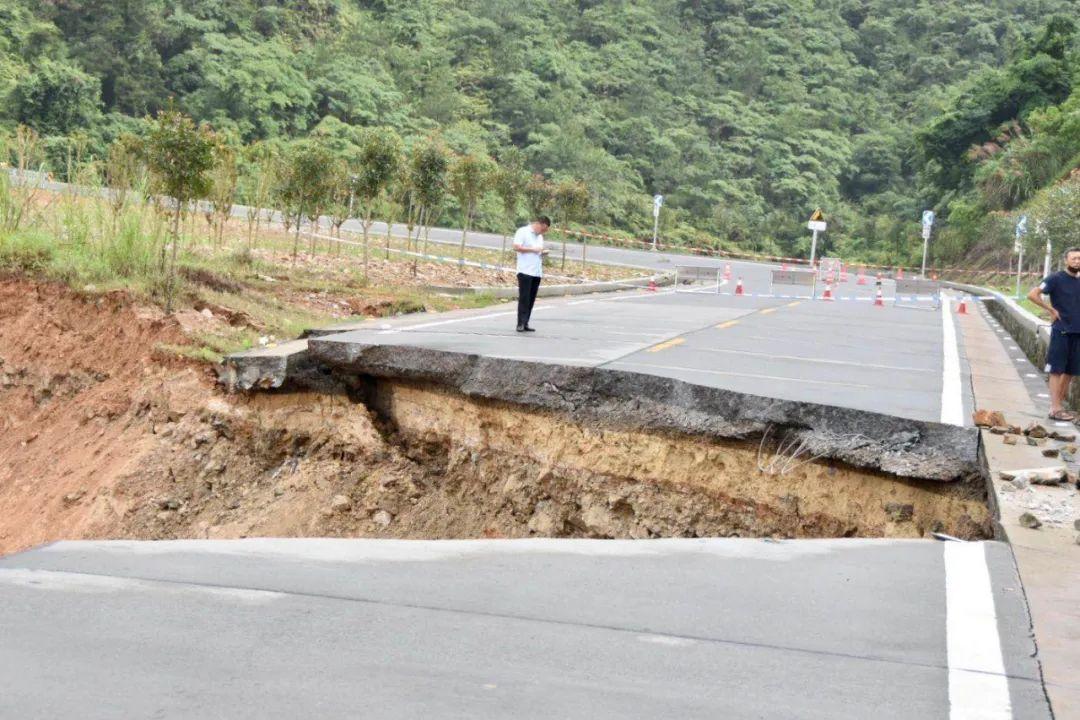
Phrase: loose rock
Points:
(340, 503)
(999, 429)
(1030, 521)
(1050, 452)
(382, 518)
(1036, 430)
(899, 512)
(1009, 439)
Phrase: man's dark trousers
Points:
(527, 287)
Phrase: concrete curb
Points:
(661, 279)
(1032, 334)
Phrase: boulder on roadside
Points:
(988, 418)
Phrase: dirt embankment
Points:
(103, 437)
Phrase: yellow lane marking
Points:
(725, 325)
(768, 311)
(667, 344)
(793, 304)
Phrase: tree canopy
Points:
(745, 114)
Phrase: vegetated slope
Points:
(102, 435)
(745, 114)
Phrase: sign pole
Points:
(927, 226)
(813, 250)
(658, 202)
(925, 247)
(1019, 267)
(1040, 228)
(1021, 231)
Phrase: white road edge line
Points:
(978, 686)
(952, 404)
(421, 326)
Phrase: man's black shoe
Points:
(521, 328)
(529, 329)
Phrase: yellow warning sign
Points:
(817, 216)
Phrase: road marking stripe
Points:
(487, 316)
(801, 381)
(665, 345)
(952, 405)
(768, 311)
(978, 686)
(793, 304)
(725, 325)
(826, 361)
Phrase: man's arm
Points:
(1036, 296)
(518, 247)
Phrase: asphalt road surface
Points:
(710, 628)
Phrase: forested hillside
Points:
(745, 114)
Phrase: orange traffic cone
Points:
(652, 285)
(738, 287)
(783, 266)
(727, 271)
(962, 309)
(828, 292)
(862, 277)
(878, 300)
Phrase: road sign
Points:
(927, 218)
(817, 216)
(1021, 226)
(926, 232)
(816, 225)
(657, 203)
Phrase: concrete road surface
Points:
(893, 359)
(710, 628)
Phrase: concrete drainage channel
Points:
(557, 451)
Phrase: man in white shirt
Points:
(529, 246)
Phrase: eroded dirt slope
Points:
(103, 436)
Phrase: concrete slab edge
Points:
(909, 449)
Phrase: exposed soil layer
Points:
(103, 437)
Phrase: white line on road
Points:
(952, 404)
(422, 326)
(801, 381)
(803, 358)
(978, 686)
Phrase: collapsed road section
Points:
(568, 451)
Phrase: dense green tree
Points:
(180, 155)
(377, 164)
(57, 99)
(470, 177)
(745, 115)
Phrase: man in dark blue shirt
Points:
(1063, 355)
